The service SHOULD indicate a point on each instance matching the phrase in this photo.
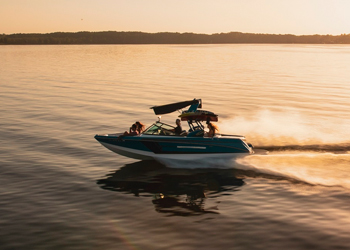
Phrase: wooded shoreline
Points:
(114, 37)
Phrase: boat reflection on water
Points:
(179, 192)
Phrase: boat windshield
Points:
(160, 128)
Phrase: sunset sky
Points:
(198, 16)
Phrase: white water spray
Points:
(268, 128)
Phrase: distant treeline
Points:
(113, 37)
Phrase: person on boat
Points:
(132, 130)
(212, 129)
(178, 129)
(140, 127)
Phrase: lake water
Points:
(60, 189)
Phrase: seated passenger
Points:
(212, 128)
(178, 130)
(132, 130)
(140, 127)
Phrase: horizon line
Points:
(174, 32)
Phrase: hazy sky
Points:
(199, 16)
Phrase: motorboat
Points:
(159, 141)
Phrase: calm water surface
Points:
(60, 189)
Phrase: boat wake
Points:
(302, 148)
(329, 168)
(339, 148)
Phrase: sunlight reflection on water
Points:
(289, 99)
